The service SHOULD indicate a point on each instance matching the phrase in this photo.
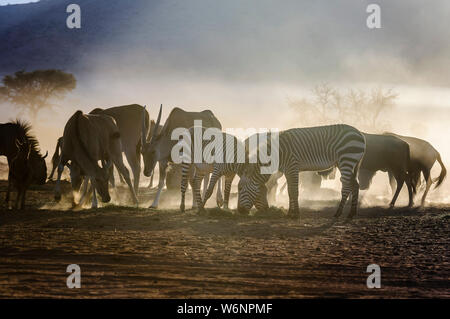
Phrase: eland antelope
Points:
(89, 138)
(158, 149)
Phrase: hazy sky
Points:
(5, 2)
(243, 59)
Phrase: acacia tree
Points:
(362, 109)
(33, 91)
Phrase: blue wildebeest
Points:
(87, 139)
(388, 154)
(423, 156)
(26, 164)
(158, 148)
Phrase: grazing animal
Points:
(158, 148)
(308, 149)
(77, 176)
(386, 153)
(90, 138)
(128, 119)
(229, 160)
(26, 164)
(423, 156)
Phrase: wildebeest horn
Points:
(143, 129)
(46, 154)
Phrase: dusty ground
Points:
(126, 252)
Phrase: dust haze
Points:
(248, 63)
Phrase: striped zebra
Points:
(232, 163)
(308, 149)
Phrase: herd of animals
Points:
(93, 144)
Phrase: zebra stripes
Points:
(233, 162)
(308, 149)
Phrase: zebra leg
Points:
(210, 188)
(292, 185)
(205, 184)
(184, 181)
(346, 190)
(196, 189)
(355, 194)
(219, 197)
(228, 182)
(192, 171)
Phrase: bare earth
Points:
(126, 252)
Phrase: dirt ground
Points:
(126, 252)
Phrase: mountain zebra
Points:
(229, 170)
(227, 159)
(308, 149)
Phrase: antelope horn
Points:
(46, 154)
(143, 130)
(155, 129)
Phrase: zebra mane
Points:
(24, 129)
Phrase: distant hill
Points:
(35, 35)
